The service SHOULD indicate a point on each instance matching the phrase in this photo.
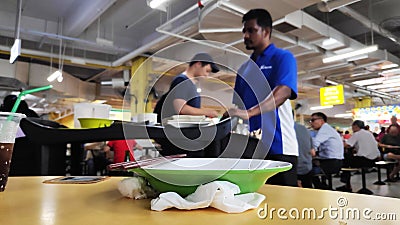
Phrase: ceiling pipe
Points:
(139, 51)
(145, 47)
(105, 72)
(50, 55)
(81, 17)
(368, 23)
(67, 38)
(324, 6)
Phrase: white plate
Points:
(183, 124)
(188, 118)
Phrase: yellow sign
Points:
(331, 95)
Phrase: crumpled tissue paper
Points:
(217, 194)
(136, 188)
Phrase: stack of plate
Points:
(181, 121)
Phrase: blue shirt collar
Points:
(268, 50)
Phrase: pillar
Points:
(140, 70)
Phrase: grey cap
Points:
(204, 57)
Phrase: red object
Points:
(119, 147)
(200, 4)
(347, 136)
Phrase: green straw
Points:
(23, 93)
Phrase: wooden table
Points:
(27, 200)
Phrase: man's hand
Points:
(106, 148)
(210, 113)
(139, 147)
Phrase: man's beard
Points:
(247, 45)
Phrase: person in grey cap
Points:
(183, 98)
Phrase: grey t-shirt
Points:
(181, 88)
(304, 161)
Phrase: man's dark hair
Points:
(359, 124)
(321, 115)
(262, 16)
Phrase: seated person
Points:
(95, 158)
(120, 147)
(391, 144)
(306, 152)
(329, 146)
(364, 155)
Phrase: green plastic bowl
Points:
(94, 122)
(184, 175)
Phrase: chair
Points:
(364, 189)
(388, 165)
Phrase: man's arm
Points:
(182, 108)
(351, 142)
(320, 138)
(278, 96)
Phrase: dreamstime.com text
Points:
(341, 212)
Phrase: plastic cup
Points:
(9, 123)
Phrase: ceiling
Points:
(99, 38)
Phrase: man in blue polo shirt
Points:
(263, 88)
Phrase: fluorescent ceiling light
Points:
(60, 78)
(378, 80)
(321, 107)
(392, 89)
(156, 3)
(392, 71)
(221, 30)
(331, 82)
(392, 80)
(347, 55)
(15, 50)
(54, 76)
(359, 74)
(358, 57)
(106, 83)
(382, 86)
(344, 115)
(369, 81)
(329, 41)
(388, 66)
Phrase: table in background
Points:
(27, 200)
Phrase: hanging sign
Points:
(331, 95)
